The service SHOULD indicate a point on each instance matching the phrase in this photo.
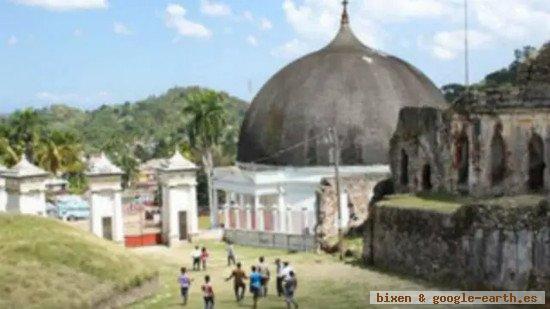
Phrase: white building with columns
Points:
(177, 177)
(25, 185)
(105, 188)
(280, 200)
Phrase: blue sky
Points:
(91, 52)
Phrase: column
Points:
(227, 215)
(274, 220)
(282, 211)
(214, 210)
(259, 213)
(237, 215)
(288, 219)
(118, 219)
(248, 210)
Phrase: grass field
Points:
(204, 222)
(324, 282)
(47, 264)
(432, 202)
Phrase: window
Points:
(536, 163)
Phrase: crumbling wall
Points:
(480, 246)
(422, 135)
(358, 191)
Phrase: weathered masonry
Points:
(494, 143)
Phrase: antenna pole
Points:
(466, 49)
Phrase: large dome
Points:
(346, 85)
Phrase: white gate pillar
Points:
(26, 189)
(179, 199)
(105, 199)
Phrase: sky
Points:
(86, 53)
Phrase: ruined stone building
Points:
(489, 144)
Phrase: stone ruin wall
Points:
(494, 247)
(436, 142)
(358, 189)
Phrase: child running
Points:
(290, 285)
(208, 293)
(238, 276)
(230, 254)
(185, 284)
(279, 273)
(196, 256)
(255, 285)
(204, 257)
(263, 269)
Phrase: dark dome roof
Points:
(347, 85)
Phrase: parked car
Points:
(72, 207)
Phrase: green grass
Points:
(324, 281)
(447, 203)
(48, 264)
(204, 222)
(433, 202)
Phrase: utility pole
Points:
(466, 49)
(336, 157)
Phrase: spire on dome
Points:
(345, 16)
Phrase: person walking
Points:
(290, 284)
(208, 293)
(204, 257)
(255, 286)
(185, 284)
(196, 257)
(279, 276)
(239, 287)
(263, 269)
(230, 254)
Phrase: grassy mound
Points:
(46, 263)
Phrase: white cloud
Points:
(265, 24)
(252, 40)
(54, 97)
(446, 45)
(403, 10)
(12, 41)
(121, 29)
(514, 19)
(65, 5)
(291, 49)
(57, 97)
(495, 22)
(78, 32)
(215, 8)
(175, 19)
(248, 15)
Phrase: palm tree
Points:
(25, 126)
(59, 152)
(208, 118)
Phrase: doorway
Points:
(427, 177)
(536, 163)
(107, 223)
(182, 215)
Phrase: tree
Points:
(59, 153)
(26, 125)
(208, 118)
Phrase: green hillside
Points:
(148, 128)
(46, 263)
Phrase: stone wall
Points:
(358, 191)
(271, 240)
(503, 245)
